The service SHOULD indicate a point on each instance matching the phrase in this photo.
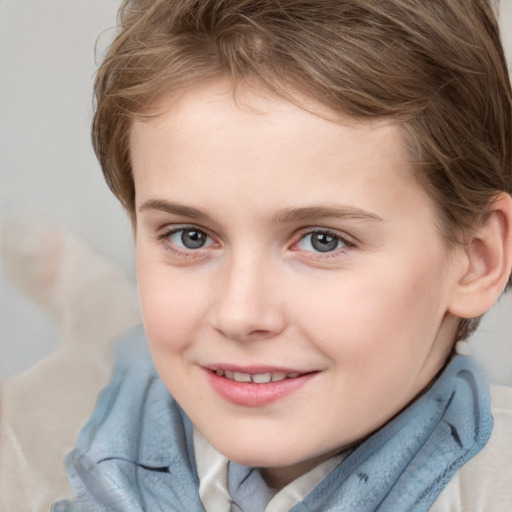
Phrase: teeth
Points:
(277, 376)
(262, 378)
(259, 378)
(242, 377)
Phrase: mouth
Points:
(257, 378)
(257, 387)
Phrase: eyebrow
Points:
(175, 209)
(307, 213)
(311, 213)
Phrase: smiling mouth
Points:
(257, 378)
(256, 387)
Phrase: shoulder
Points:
(485, 482)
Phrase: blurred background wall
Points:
(48, 173)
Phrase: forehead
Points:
(249, 143)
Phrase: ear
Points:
(488, 262)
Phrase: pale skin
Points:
(268, 236)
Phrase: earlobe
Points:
(488, 262)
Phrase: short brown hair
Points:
(436, 66)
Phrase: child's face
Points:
(273, 242)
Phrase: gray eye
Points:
(323, 242)
(193, 238)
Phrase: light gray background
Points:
(48, 171)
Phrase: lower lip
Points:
(255, 395)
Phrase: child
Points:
(319, 192)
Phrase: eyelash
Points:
(164, 239)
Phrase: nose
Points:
(249, 305)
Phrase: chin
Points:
(260, 454)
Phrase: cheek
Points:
(374, 312)
(172, 306)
